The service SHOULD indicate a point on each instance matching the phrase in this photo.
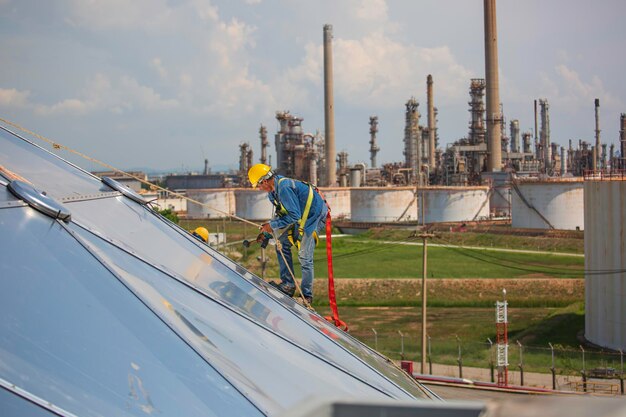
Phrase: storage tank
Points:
(382, 204)
(541, 203)
(453, 204)
(252, 204)
(339, 201)
(222, 199)
(605, 263)
(355, 177)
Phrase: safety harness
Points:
(281, 211)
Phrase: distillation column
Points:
(329, 107)
(431, 122)
(264, 144)
(545, 134)
(373, 146)
(596, 151)
(494, 117)
(514, 136)
(411, 138)
(622, 141)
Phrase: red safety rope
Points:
(331, 281)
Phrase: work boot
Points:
(284, 288)
(309, 299)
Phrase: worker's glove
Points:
(265, 227)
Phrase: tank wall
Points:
(339, 201)
(382, 204)
(605, 250)
(252, 204)
(454, 204)
(175, 204)
(561, 203)
(221, 199)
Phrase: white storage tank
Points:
(453, 204)
(222, 199)
(383, 204)
(605, 263)
(545, 203)
(338, 199)
(252, 204)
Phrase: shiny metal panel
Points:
(232, 344)
(72, 334)
(45, 171)
(39, 201)
(139, 231)
(12, 404)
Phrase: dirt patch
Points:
(526, 292)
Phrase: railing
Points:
(605, 175)
(550, 366)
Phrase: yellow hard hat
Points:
(259, 172)
(201, 233)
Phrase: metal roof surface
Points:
(120, 312)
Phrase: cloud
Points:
(121, 95)
(157, 65)
(371, 10)
(377, 70)
(13, 98)
(120, 14)
(568, 89)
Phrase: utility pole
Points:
(424, 237)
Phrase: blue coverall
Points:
(292, 195)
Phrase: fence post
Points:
(460, 358)
(553, 369)
(520, 365)
(621, 374)
(491, 367)
(401, 345)
(584, 374)
(375, 339)
(430, 361)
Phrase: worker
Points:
(300, 212)
(201, 233)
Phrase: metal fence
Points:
(581, 369)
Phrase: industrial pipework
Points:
(431, 122)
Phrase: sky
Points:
(164, 84)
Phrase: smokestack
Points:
(622, 140)
(514, 136)
(264, 144)
(494, 118)
(431, 122)
(373, 146)
(329, 108)
(545, 134)
(536, 131)
(206, 166)
(596, 155)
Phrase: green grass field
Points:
(378, 288)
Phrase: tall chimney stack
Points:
(373, 146)
(264, 144)
(597, 155)
(494, 118)
(329, 108)
(431, 122)
(622, 140)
